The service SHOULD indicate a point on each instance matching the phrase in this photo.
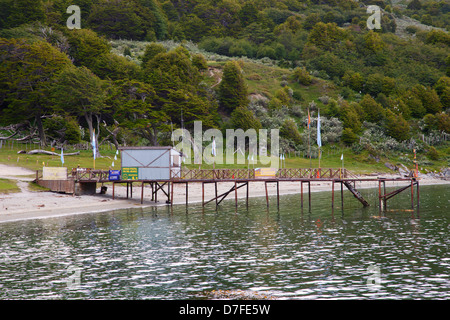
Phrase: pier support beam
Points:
(332, 194)
(309, 194)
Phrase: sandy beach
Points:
(37, 205)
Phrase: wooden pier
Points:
(79, 180)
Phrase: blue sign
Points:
(114, 175)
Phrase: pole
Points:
(267, 195)
(278, 195)
(379, 194)
(247, 194)
(301, 193)
(412, 194)
(215, 188)
(235, 193)
(332, 194)
(309, 194)
(187, 193)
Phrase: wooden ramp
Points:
(356, 193)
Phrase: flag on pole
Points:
(93, 144)
(62, 156)
(319, 139)
(213, 148)
(309, 119)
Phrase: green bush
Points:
(432, 153)
(301, 75)
(348, 136)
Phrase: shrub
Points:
(348, 136)
(290, 131)
(432, 153)
(302, 76)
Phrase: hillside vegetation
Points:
(140, 68)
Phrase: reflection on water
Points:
(159, 253)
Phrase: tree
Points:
(161, 22)
(373, 41)
(289, 130)
(414, 5)
(25, 11)
(396, 126)
(348, 136)
(243, 118)
(232, 90)
(353, 80)
(27, 72)
(429, 98)
(248, 13)
(176, 81)
(350, 118)
(151, 51)
(373, 111)
(86, 46)
(118, 19)
(81, 93)
(135, 111)
(326, 35)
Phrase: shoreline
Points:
(29, 205)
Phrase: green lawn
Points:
(35, 162)
(8, 186)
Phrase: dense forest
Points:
(382, 90)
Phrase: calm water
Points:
(287, 254)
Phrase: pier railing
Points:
(244, 174)
(89, 175)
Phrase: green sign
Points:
(130, 173)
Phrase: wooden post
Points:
(187, 188)
(203, 194)
(235, 194)
(342, 195)
(418, 197)
(113, 192)
(171, 195)
(412, 194)
(301, 194)
(131, 190)
(153, 193)
(215, 187)
(247, 195)
(142, 192)
(156, 191)
(278, 194)
(309, 194)
(379, 194)
(267, 195)
(384, 193)
(332, 194)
